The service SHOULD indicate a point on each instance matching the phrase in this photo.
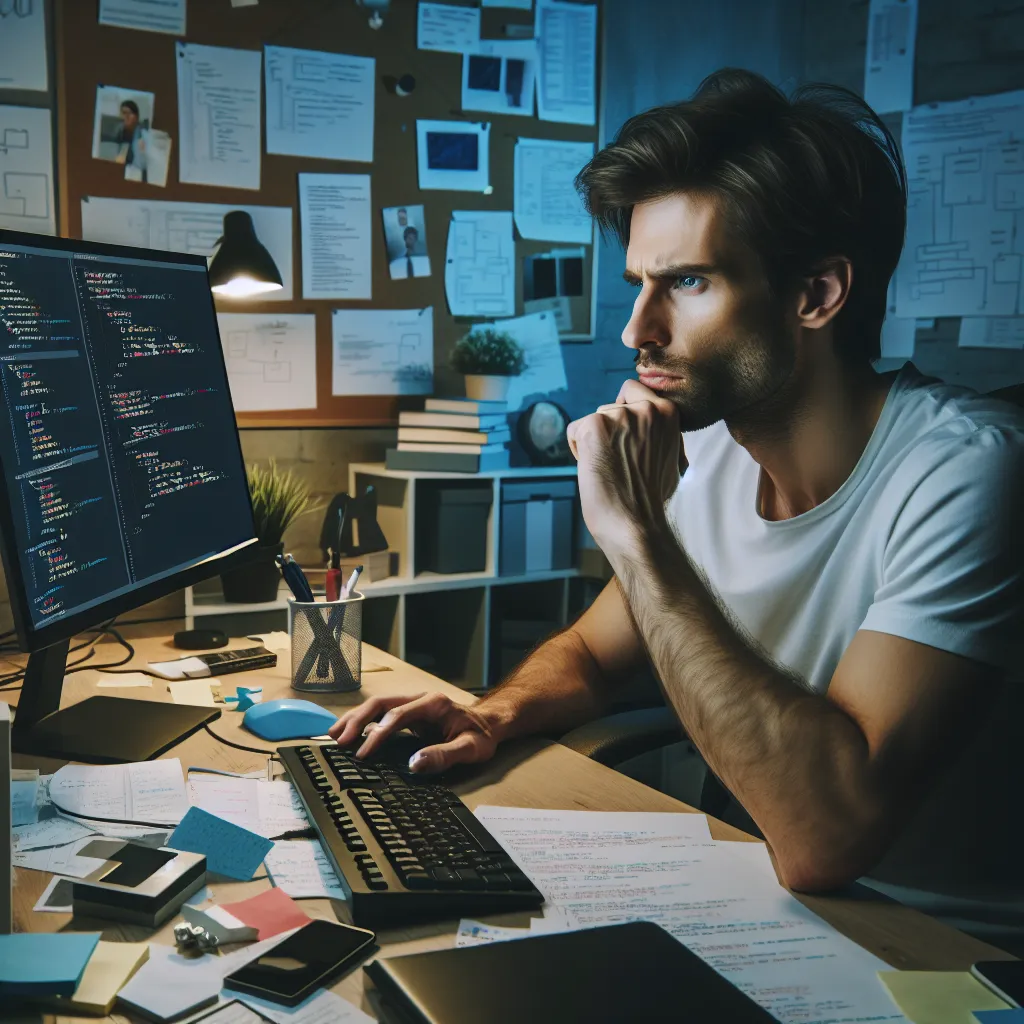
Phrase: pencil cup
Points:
(326, 638)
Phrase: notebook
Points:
(624, 972)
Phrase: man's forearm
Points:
(797, 762)
(558, 687)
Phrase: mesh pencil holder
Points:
(326, 638)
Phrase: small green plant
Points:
(488, 351)
(278, 499)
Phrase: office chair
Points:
(617, 738)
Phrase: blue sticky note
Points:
(1015, 1016)
(34, 964)
(229, 849)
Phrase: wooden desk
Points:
(536, 773)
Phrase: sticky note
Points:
(33, 963)
(229, 849)
(24, 809)
(192, 691)
(272, 912)
(123, 679)
(106, 973)
(939, 997)
(1014, 1016)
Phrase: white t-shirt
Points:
(922, 541)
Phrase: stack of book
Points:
(452, 435)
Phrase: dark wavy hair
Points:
(800, 179)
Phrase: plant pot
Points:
(256, 582)
(486, 387)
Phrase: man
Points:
(131, 138)
(830, 596)
(408, 265)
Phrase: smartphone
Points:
(308, 960)
(1004, 977)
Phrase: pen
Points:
(334, 578)
(295, 578)
(347, 589)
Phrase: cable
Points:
(238, 746)
(161, 825)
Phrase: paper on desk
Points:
(480, 268)
(300, 867)
(319, 104)
(547, 205)
(334, 214)
(267, 808)
(126, 679)
(23, 50)
(939, 997)
(447, 27)
(889, 66)
(62, 860)
(270, 913)
(477, 933)
(56, 897)
(51, 832)
(229, 849)
(108, 970)
(196, 692)
(38, 963)
(219, 115)
(1011, 1016)
(382, 351)
(151, 792)
(167, 16)
(322, 1007)
(277, 640)
(567, 42)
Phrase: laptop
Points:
(624, 972)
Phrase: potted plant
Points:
(278, 499)
(489, 358)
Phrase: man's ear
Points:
(824, 293)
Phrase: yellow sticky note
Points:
(108, 970)
(192, 691)
(939, 997)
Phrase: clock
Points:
(541, 432)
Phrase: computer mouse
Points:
(288, 719)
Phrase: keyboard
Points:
(405, 848)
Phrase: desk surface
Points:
(535, 773)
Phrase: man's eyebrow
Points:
(672, 271)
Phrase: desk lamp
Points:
(242, 267)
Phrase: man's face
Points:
(129, 117)
(403, 218)
(411, 235)
(707, 333)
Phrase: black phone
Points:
(304, 962)
(1004, 977)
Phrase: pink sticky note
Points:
(272, 912)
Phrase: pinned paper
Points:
(939, 997)
(229, 849)
(34, 963)
(271, 913)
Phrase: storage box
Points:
(536, 525)
(376, 566)
(451, 526)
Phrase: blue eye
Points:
(688, 282)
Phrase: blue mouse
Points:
(288, 719)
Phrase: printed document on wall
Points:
(447, 27)
(889, 65)
(334, 210)
(453, 155)
(26, 170)
(500, 77)
(383, 351)
(271, 360)
(23, 46)
(188, 227)
(566, 79)
(219, 116)
(964, 250)
(547, 205)
(545, 369)
(480, 264)
(991, 332)
(146, 15)
(319, 104)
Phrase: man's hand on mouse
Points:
(629, 456)
(465, 735)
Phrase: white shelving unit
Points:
(464, 601)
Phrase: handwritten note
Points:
(229, 850)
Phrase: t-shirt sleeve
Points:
(952, 566)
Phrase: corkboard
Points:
(89, 54)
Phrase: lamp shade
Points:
(242, 266)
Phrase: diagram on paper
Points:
(26, 170)
(383, 351)
(271, 360)
(480, 270)
(964, 252)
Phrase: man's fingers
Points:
(426, 708)
(466, 748)
(632, 392)
(349, 727)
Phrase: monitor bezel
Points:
(32, 638)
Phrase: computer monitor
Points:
(122, 469)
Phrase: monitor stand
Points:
(99, 730)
